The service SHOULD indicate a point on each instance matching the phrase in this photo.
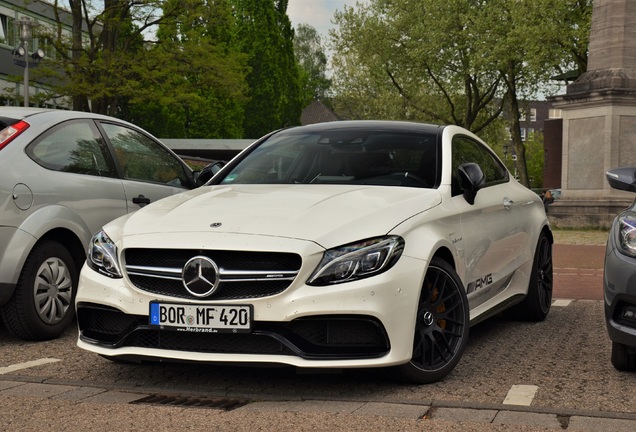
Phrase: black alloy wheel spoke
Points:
(436, 344)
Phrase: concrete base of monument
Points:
(585, 213)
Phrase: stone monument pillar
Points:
(599, 120)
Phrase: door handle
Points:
(507, 203)
(141, 200)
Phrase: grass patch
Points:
(597, 237)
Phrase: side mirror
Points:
(207, 172)
(622, 178)
(471, 179)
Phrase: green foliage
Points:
(312, 61)
(191, 83)
(179, 68)
(535, 159)
(454, 61)
(265, 35)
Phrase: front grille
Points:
(320, 337)
(242, 274)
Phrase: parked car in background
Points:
(618, 276)
(63, 175)
(337, 245)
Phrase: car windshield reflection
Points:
(341, 157)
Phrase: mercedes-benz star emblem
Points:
(428, 318)
(200, 276)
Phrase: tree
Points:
(265, 35)
(312, 60)
(98, 59)
(518, 50)
(171, 66)
(420, 53)
(457, 61)
(200, 71)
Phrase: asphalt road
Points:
(553, 375)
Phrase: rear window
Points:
(7, 121)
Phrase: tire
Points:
(441, 327)
(536, 305)
(622, 359)
(42, 305)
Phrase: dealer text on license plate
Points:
(199, 318)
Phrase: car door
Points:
(149, 170)
(492, 240)
(78, 174)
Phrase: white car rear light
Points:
(9, 133)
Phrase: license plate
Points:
(200, 318)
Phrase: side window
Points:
(467, 150)
(74, 147)
(141, 158)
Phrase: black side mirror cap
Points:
(207, 172)
(622, 178)
(471, 179)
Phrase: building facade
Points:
(42, 16)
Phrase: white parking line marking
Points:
(25, 365)
(561, 302)
(521, 395)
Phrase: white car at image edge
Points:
(338, 245)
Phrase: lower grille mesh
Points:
(322, 337)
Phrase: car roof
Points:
(9, 115)
(370, 125)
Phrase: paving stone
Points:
(37, 390)
(9, 384)
(595, 424)
(392, 410)
(114, 397)
(80, 393)
(464, 415)
(527, 419)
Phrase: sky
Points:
(316, 13)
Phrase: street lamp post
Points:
(21, 54)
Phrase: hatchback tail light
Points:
(9, 133)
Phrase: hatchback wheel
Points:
(441, 327)
(41, 307)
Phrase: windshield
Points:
(341, 157)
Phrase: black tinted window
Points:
(344, 156)
(467, 150)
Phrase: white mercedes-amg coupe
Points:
(339, 245)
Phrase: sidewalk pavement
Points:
(251, 411)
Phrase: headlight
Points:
(102, 256)
(627, 234)
(357, 260)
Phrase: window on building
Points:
(7, 30)
(522, 115)
(533, 114)
(523, 134)
(4, 33)
(530, 133)
(554, 113)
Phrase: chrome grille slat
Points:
(157, 271)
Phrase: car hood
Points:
(325, 214)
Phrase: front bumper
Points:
(365, 323)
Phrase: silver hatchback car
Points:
(63, 175)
